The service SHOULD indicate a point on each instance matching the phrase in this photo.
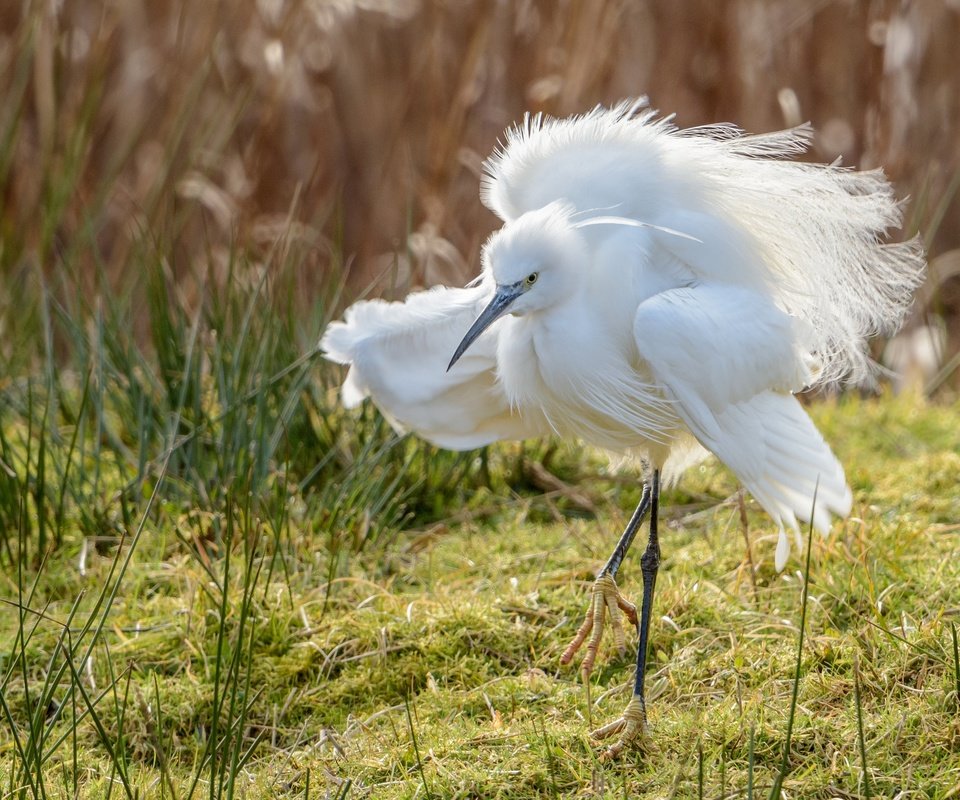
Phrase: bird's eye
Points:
(531, 279)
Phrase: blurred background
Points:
(353, 131)
(191, 189)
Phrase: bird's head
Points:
(531, 264)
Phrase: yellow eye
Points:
(531, 279)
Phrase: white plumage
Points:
(656, 292)
(398, 353)
(686, 283)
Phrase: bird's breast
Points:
(588, 381)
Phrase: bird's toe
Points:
(631, 727)
(605, 601)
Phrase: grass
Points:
(215, 583)
(221, 654)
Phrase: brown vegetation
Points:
(367, 120)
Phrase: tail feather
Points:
(783, 461)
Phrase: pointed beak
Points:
(495, 309)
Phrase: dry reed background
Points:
(365, 121)
(155, 152)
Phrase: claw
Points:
(632, 726)
(605, 599)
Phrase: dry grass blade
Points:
(860, 737)
(777, 788)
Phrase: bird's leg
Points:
(633, 723)
(606, 598)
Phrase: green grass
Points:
(254, 647)
(215, 583)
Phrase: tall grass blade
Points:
(956, 661)
(700, 769)
(860, 736)
(106, 740)
(416, 748)
(777, 788)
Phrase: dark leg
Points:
(606, 597)
(626, 539)
(634, 720)
(649, 564)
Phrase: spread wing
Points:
(398, 354)
(809, 235)
(730, 359)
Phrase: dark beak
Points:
(495, 309)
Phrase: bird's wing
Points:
(811, 235)
(398, 354)
(729, 359)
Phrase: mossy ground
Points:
(430, 668)
(216, 583)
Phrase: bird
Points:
(661, 293)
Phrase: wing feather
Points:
(730, 359)
(808, 234)
(398, 353)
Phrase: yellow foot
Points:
(605, 599)
(632, 727)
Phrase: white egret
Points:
(657, 292)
